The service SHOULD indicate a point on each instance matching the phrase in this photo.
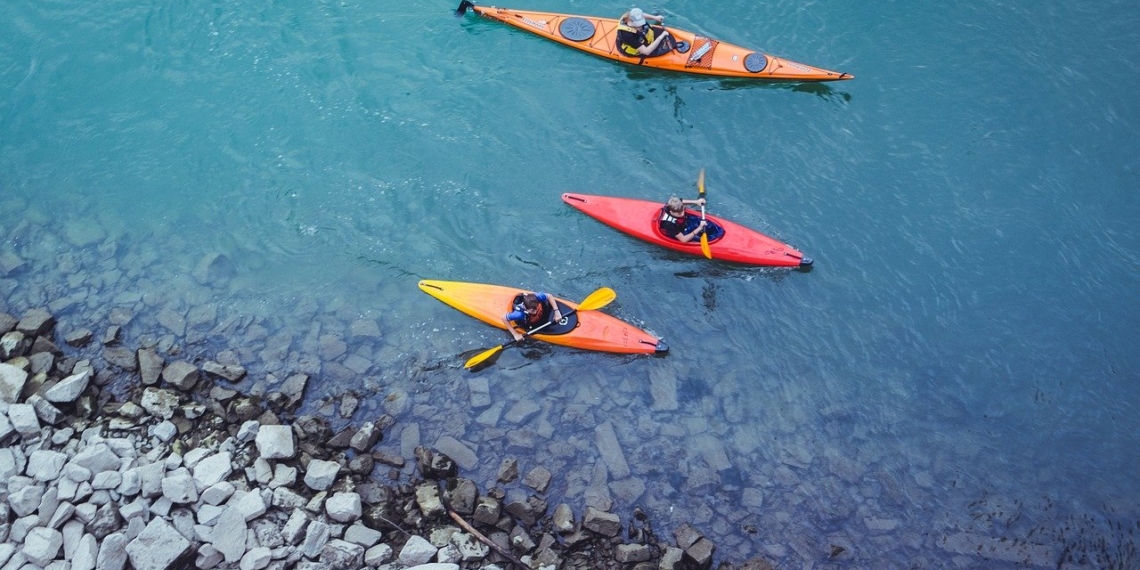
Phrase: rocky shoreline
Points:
(182, 471)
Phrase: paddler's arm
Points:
(511, 326)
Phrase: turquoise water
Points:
(956, 374)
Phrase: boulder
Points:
(321, 474)
(42, 545)
(68, 389)
(36, 322)
(12, 380)
(150, 366)
(181, 374)
(275, 442)
(158, 547)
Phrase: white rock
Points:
(112, 552)
(251, 505)
(208, 557)
(25, 501)
(86, 554)
(343, 507)
(442, 566)
(42, 545)
(342, 554)
(321, 474)
(131, 484)
(417, 551)
(213, 469)
(248, 431)
(377, 555)
(97, 458)
(68, 389)
(12, 380)
(106, 480)
(45, 465)
(275, 442)
(316, 536)
(294, 527)
(72, 532)
(217, 493)
(164, 431)
(256, 559)
(362, 535)
(229, 535)
(6, 427)
(6, 552)
(157, 547)
(24, 419)
(178, 487)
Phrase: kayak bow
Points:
(587, 330)
(704, 56)
(639, 218)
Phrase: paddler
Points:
(531, 310)
(677, 223)
(635, 37)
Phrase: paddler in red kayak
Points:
(679, 224)
(635, 37)
(531, 310)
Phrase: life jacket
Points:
(646, 37)
(668, 218)
(539, 317)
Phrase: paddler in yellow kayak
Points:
(636, 38)
(529, 312)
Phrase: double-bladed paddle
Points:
(704, 234)
(593, 301)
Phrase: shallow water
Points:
(957, 371)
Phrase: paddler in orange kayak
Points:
(635, 37)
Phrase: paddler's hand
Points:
(702, 225)
(700, 201)
(557, 315)
(518, 337)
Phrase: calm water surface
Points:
(957, 373)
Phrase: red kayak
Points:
(734, 242)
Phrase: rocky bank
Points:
(182, 471)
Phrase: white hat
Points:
(636, 18)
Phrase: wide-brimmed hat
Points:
(636, 18)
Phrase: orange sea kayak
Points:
(704, 56)
(588, 330)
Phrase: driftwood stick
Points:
(467, 527)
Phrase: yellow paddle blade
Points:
(701, 183)
(482, 357)
(597, 299)
(705, 246)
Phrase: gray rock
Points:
(603, 523)
(343, 507)
(342, 555)
(275, 442)
(321, 474)
(294, 528)
(316, 536)
(248, 431)
(230, 372)
(362, 535)
(487, 511)
(427, 498)
(159, 403)
(12, 381)
(610, 450)
(45, 411)
(14, 344)
(105, 521)
(122, 357)
(294, 389)
(377, 555)
(563, 519)
(459, 452)
(6, 427)
(701, 553)
(212, 268)
(213, 469)
(79, 337)
(173, 320)
(45, 465)
(36, 322)
(164, 431)
(181, 374)
(42, 545)
(158, 547)
(365, 437)
(538, 479)
(150, 366)
(68, 389)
